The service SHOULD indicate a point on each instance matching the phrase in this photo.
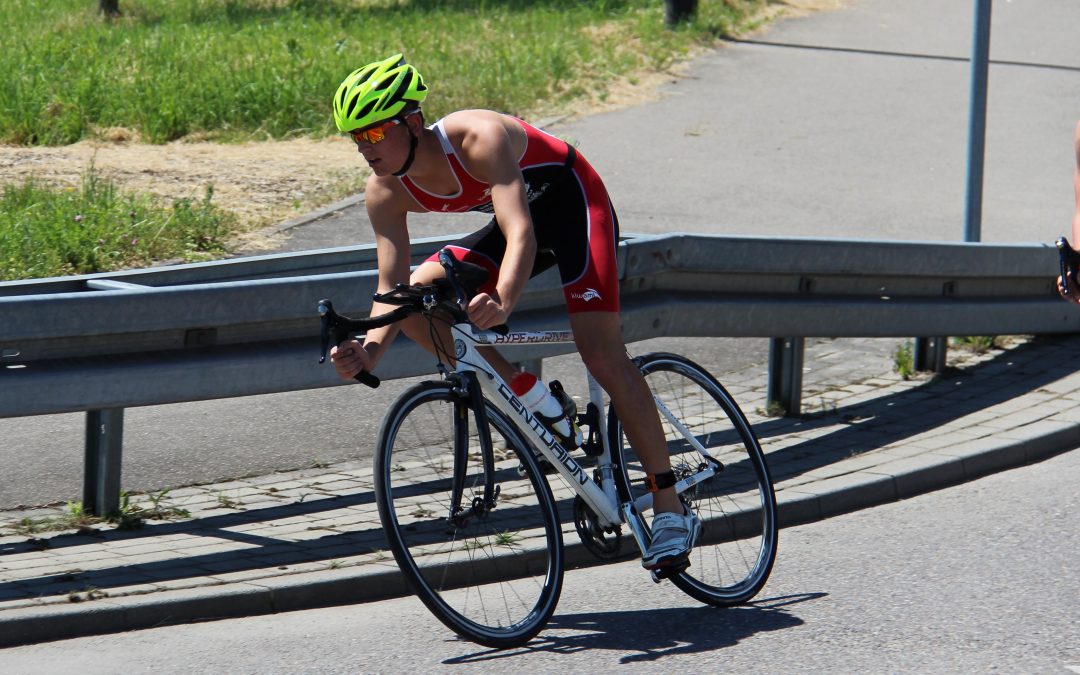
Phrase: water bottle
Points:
(547, 408)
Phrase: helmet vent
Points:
(402, 88)
(366, 110)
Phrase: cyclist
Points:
(1074, 291)
(549, 208)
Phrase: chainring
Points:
(604, 544)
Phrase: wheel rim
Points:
(735, 551)
(491, 575)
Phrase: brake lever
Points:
(333, 325)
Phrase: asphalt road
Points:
(847, 123)
(976, 578)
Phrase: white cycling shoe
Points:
(673, 535)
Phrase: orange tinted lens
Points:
(373, 135)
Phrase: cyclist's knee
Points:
(416, 330)
(427, 272)
(609, 364)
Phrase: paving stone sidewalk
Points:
(312, 538)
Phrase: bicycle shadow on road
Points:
(671, 631)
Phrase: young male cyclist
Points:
(549, 208)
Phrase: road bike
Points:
(462, 466)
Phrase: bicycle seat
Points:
(469, 277)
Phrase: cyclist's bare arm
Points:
(1076, 186)
(387, 213)
(1073, 292)
(489, 149)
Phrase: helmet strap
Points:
(412, 155)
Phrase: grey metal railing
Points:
(101, 343)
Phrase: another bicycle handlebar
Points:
(1069, 260)
(450, 294)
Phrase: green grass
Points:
(233, 70)
(49, 232)
(268, 68)
(977, 344)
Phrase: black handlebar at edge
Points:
(1070, 260)
(339, 327)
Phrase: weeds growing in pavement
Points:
(978, 344)
(904, 360)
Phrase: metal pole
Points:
(980, 61)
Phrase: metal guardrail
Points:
(101, 343)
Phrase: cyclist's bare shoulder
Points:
(468, 130)
(386, 200)
(479, 135)
(475, 120)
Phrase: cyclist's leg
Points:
(605, 356)
(582, 229)
(673, 528)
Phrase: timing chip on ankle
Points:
(659, 481)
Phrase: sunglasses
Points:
(373, 135)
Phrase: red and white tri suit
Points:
(573, 219)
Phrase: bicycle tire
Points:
(493, 578)
(734, 554)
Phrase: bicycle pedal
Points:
(669, 570)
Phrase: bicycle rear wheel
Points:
(492, 574)
(735, 552)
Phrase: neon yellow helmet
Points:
(379, 91)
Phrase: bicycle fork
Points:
(469, 402)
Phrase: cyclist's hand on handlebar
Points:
(1073, 295)
(486, 310)
(349, 358)
(1068, 261)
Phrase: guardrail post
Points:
(104, 445)
(785, 375)
(930, 353)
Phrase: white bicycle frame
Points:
(603, 499)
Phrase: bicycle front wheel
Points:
(735, 552)
(482, 548)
